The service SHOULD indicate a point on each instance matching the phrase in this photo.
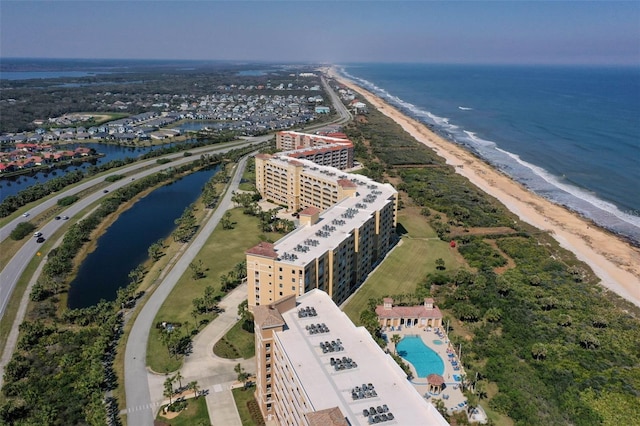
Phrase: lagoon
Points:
(125, 243)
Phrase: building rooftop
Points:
(338, 221)
(327, 386)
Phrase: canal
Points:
(125, 243)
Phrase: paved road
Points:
(15, 267)
(341, 109)
(144, 390)
(135, 369)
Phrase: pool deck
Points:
(451, 395)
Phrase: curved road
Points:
(135, 365)
(15, 267)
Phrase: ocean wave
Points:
(465, 108)
(576, 191)
(534, 177)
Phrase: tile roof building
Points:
(425, 315)
(346, 228)
(334, 150)
(315, 367)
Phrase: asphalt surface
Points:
(135, 369)
(12, 271)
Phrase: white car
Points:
(37, 234)
(25, 214)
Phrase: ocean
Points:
(570, 134)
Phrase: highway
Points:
(15, 267)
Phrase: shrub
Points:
(22, 230)
(67, 201)
(113, 178)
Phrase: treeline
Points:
(543, 343)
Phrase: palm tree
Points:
(439, 404)
(539, 351)
(179, 378)
(168, 389)
(395, 339)
(242, 375)
(194, 387)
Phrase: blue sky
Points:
(575, 32)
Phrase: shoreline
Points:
(613, 260)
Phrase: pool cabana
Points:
(436, 383)
(425, 315)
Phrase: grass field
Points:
(195, 414)
(223, 250)
(243, 396)
(406, 265)
(237, 343)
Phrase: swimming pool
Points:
(424, 359)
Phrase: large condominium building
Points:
(339, 156)
(335, 151)
(315, 367)
(346, 228)
(288, 140)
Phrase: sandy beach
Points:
(612, 259)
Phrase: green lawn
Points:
(243, 397)
(406, 265)
(196, 414)
(237, 343)
(223, 250)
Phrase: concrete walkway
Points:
(214, 374)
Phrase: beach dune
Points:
(613, 260)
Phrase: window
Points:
(293, 288)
